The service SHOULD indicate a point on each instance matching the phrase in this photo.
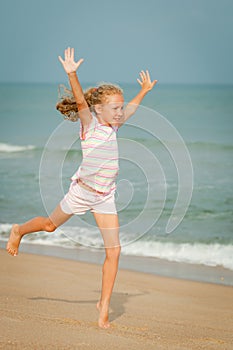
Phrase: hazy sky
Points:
(179, 41)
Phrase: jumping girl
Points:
(101, 112)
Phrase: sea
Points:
(175, 185)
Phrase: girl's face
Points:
(111, 112)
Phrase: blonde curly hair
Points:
(93, 96)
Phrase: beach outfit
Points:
(98, 172)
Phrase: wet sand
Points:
(49, 303)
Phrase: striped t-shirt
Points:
(99, 167)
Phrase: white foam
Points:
(8, 148)
(198, 253)
(5, 228)
(213, 254)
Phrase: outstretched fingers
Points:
(66, 54)
(149, 79)
(72, 53)
(79, 62)
(68, 62)
(145, 80)
(61, 59)
(143, 76)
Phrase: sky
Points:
(179, 41)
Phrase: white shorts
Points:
(78, 201)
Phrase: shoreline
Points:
(148, 265)
(50, 303)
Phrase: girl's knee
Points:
(49, 226)
(113, 253)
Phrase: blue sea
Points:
(175, 185)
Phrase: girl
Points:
(100, 111)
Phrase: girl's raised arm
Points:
(146, 86)
(70, 67)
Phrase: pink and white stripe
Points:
(99, 167)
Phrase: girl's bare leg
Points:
(39, 223)
(109, 228)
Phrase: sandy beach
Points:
(49, 303)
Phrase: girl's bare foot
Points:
(103, 315)
(14, 240)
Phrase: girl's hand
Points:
(145, 82)
(69, 63)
